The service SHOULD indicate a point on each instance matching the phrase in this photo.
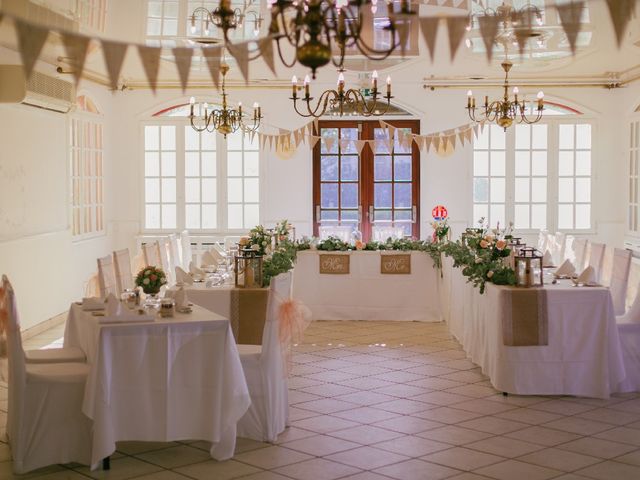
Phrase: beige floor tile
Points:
(543, 436)
(417, 470)
(435, 383)
(272, 457)
(562, 407)
(366, 383)
(329, 390)
(366, 415)
(324, 424)
(447, 415)
(484, 406)
(504, 447)
(265, 475)
(367, 457)
(559, 459)
(320, 445)
(468, 476)
(218, 470)
(608, 415)
(366, 476)
(399, 390)
(398, 377)
(164, 475)
(408, 424)
(366, 434)
(577, 425)
(365, 398)
(463, 458)
(175, 456)
(326, 405)
(431, 370)
(621, 435)
(631, 406)
(454, 435)
(296, 413)
(529, 415)
(317, 469)
(632, 458)
(412, 446)
(333, 376)
(475, 391)
(403, 406)
(497, 426)
(366, 370)
(441, 398)
(121, 468)
(465, 377)
(610, 470)
(6, 472)
(134, 448)
(597, 447)
(297, 396)
(512, 469)
(293, 433)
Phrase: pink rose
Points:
(153, 278)
(501, 244)
(484, 244)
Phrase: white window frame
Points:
(632, 164)
(84, 117)
(221, 181)
(553, 121)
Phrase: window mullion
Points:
(180, 177)
(510, 148)
(221, 160)
(552, 183)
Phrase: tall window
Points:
(92, 13)
(380, 187)
(199, 181)
(634, 156)
(86, 140)
(538, 176)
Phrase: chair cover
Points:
(231, 241)
(630, 342)
(175, 252)
(122, 264)
(596, 257)
(165, 260)
(560, 245)
(151, 253)
(543, 241)
(106, 276)
(620, 278)
(580, 252)
(92, 286)
(187, 252)
(264, 370)
(567, 251)
(45, 423)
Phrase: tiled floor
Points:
(386, 400)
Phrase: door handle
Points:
(371, 213)
(318, 213)
(414, 214)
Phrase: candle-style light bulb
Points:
(540, 100)
(340, 83)
(469, 97)
(294, 85)
(240, 108)
(516, 90)
(374, 79)
(388, 86)
(540, 95)
(192, 102)
(307, 81)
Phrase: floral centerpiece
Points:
(150, 279)
(441, 231)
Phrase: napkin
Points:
(118, 313)
(547, 259)
(193, 270)
(566, 269)
(90, 304)
(211, 257)
(587, 277)
(183, 277)
(179, 296)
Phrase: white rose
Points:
(145, 281)
(264, 243)
(255, 247)
(147, 273)
(478, 260)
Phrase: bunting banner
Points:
(489, 31)
(150, 57)
(621, 12)
(212, 56)
(570, 14)
(76, 47)
(266, 51)
(31, 39)
(113, 53)
(183, 56)
(429, 28)
(240, 51)
(404, 27)
(525, 29)
(457, 27)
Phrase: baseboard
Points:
(44, 326)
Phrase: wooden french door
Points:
(377, 188)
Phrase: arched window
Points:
(538, 176)
(198, 181)
(87, 157)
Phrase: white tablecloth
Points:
(583, 357)
(173, 379)
(367, 294)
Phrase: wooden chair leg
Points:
(106, 463)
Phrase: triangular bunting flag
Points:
(266, 51)
(212, 56)
(429, 28)
(469, 134)
(297, 137)
(182, 56)
(113, 53)
(570, 14)
(313, 140)
(310, 128)
(76, 47)
(428, 140)
(419, 141)
(31, 39)
(482, 125)
(525, 28)
(437, 142)
(489, 30)
(461, 137)
(270, 138)
(475, 130)
(452, 140)
(316, 129)
(621, 12)
(360, 144)
(328, 143)
(262, 140)
(457, 27)
(150, 57)
(403, 25)
(240, 51)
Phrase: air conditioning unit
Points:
(40, 90)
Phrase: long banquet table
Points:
(170, 379)
(583, 356)
(365, 293)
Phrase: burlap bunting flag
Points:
(240, 51)
(570, 14)
(76, 47)
(113, 53)
(360, 144)
(489, 30)
(182, 56)
(313, 141)
(621, 12)
(329, 142)
(429, 28)
(212, 56)
(266, 51)
(457, 27)
(525, 28)
(428, 140)
(403, 25)
(31, 39)
(150, 57)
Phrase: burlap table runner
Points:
(248, 314)
(525, 320)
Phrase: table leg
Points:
(106, 463)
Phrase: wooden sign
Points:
(334, 264)
(395, 264)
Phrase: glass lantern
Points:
(248, 269)
(528, 267)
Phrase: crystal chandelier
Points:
(342, 101)
(225, 18)
(226, 120)
(505, 111)
(317, 29)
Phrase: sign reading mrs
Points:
(334, 264)
(395, 264)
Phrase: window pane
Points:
(583, 136)
(538, 190)
(192, 190)
(481, 164)
(151, 138)
(522, 164)
(480, 189)
(565, 165)
(539, 217)
(497, 215)
(329, 215)
(521, 216)
(479, 211)
(192, 164)
(234, 164)
(208, 164)
(565, 216)
(234, 141)
(208, 141)
(349, 168)
(209, 190)
(382, 215)
(402, 195)
(251, 164)
(328, 168)
(382, 167)
(191, 139)
(482, 141)
(498, 164)
(539, 137)
(497, 190)
(566, 133)
(168, 164)
(565, 189)
(583, 216)
(234, 216)
(497, 137)
(522, 191)
(168, 138)
(523, 133)
(583, 163)
(251, 216)
(168, 216)
(539, 163)
(349, 195)
(251, 191)
(583, 190)
(152, 216)
(151, 164)
(330, 134)
(209, 217)
(329, 195)
(234, 190)
(382, 195)
(192, 216)
(152, 190)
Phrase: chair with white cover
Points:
(543, 241)
(45, 423)
(560, 245)
(620, 278)
(175, 252)
(231, 241)
(629, 332)
(596, 256)
(580, 251)
(187, 251)
(265, 372)
(567, 251)
(151, 253)
(122, 267)
(107, 276)
(165, 260)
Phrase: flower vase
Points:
(152, 300)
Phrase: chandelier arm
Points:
(280, 54)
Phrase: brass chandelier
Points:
(225, 18)
(226, 120)
(505, 111)
(342, 101)
(321, 31)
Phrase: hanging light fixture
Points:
(226, 120)
(505, 111)
(317, 29)
(225, 18)
(342, 101)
